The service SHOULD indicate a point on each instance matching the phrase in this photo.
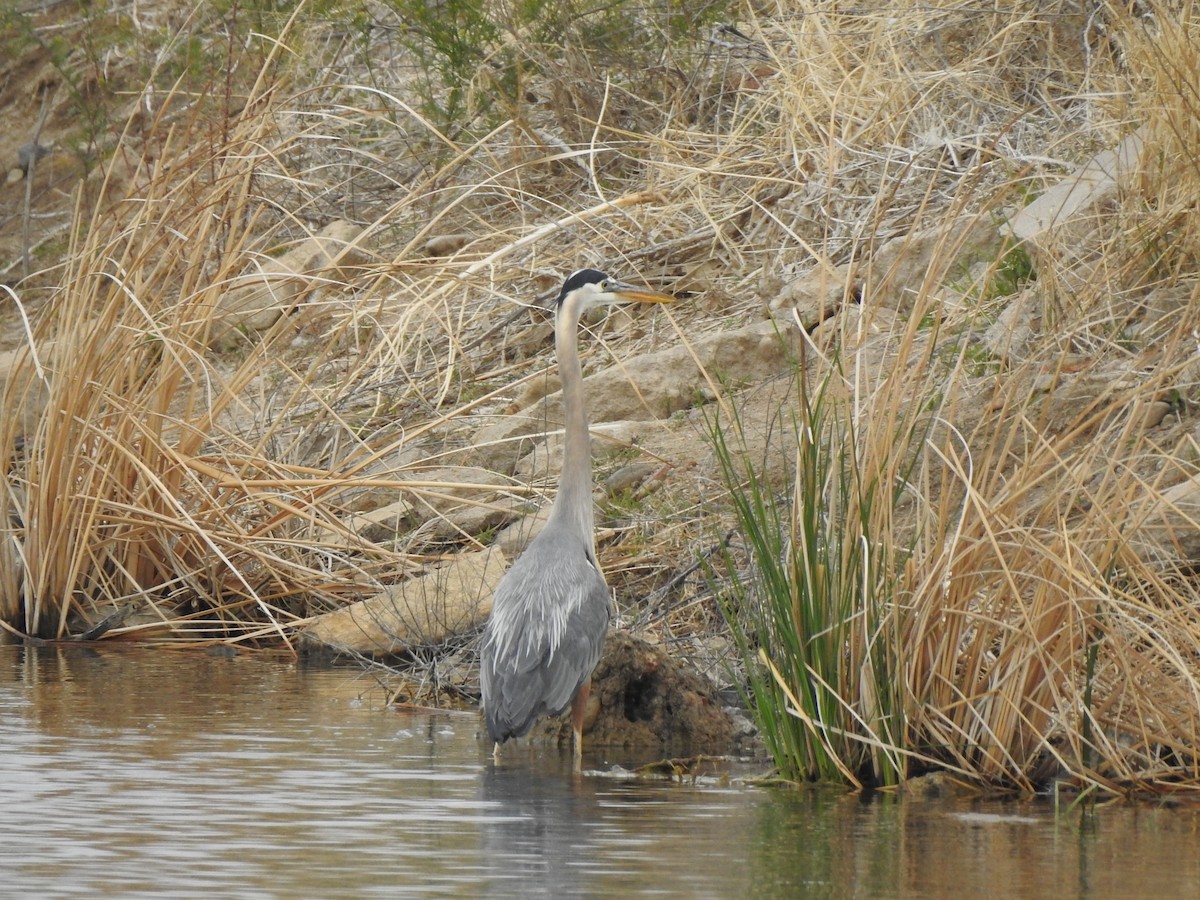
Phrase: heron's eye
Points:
(603, 286)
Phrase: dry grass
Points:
(162, 488)
(1030, 638)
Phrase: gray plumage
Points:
(551, 610)
(550, 614)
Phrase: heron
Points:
(551, 610)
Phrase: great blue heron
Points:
(550, 611)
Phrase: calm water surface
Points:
(138, 773)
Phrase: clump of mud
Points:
(643, 698)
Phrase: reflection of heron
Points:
(539, 831)
(551, 610)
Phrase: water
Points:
(139, 773)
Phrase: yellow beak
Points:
(627, 292)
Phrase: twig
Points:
(29, 172)
(680, 577)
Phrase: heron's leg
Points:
(496, 752)
(578, 708)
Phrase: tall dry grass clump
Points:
(157, 487)
(1036, 601)
(126, 497)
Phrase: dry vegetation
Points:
(978, 546)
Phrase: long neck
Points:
(573, 505)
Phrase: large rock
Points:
(812, 298)
(450, 600)
(1012, 335)
(271, 287)
(1078, 194)
(1168, 537)
(903, 267)
(451, 501)
(1064, 229)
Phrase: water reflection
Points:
(537, 826)
(148, 773)
(549, 833)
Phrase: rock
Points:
(654, 385)
(643, 697)
(629, 478)
(1075, 388)
(1064, 228)
(271, 287)
(1011, 336)
(452, 599)
(1150, 414)
(457, 499)
(1160, 312)
(1168, 534)
(811, 299)
(530, 341)
(30, 153)
(1076, 195)
(608, 440)
(511, 541)
(650, 386)
(904, 266)
(383, 524)
(861, 328)
(466, 502)
(476, 519)
(446, 244)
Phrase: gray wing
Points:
(550, 614)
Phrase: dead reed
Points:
(1034, 608)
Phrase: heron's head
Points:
(594, 288)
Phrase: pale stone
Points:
(1170, 533)
(446, 244)
(650, 386)
(382, 524)
(1011, 336)
(812, 298)
(1150, 415)
(268, 288)
(1091, 184)
(629, 478)
(516, 537)
(905, 267)
(450, 600)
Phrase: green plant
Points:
(1013, 270)
(815, 620)
(219, 49)
(470, 55)
(450, 40)
(79, 64)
